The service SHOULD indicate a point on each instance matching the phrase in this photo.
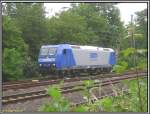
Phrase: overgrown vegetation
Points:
(124, 102)
(127, 102)
(126, 60)
(58, 103)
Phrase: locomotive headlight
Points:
(40, 65)
(53, 64)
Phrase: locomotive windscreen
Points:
(48, 51)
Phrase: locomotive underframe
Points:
(75, 71)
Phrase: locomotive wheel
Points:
(58, 73)
(105, 70)
(67, 73)
(97, 71)
(90, 72)
(61, 73)
(43, 71)
(109, 69)
(74, 73)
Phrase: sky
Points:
(126, 9)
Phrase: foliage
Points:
(128, 102)
(126, 60)
(128, 51)
(80, 108)
(12, 36)
(57, 103)
(69, 28)
(12, 64)
(14, 51)
(141, 27)
(124, 102)
(31, 68)
(142, 64)
(23, 29)
(104, 20)
(34, 29)
(121, 67)
(86, 89)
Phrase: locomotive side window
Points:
(105, 49)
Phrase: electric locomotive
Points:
(66, 58)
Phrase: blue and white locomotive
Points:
(76, 58)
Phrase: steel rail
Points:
(23, 85)
(64, 90)
(51, 77)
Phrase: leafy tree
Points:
(140, 31)
(104, 20)
(14, 50)
(30, 18)
(12, 64)
(95, 22)
(69, 28)
(12, 36)
(141, 28)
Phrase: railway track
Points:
(52, 77)
(42, 93)
(49, 77)
(33, 83)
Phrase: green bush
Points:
(12, 64)
(57, 103)
(127, 102)
(31, 68)
(124, 102)
(131, 58)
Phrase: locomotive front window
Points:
(44, 51)
(52, 51)
(48, 51)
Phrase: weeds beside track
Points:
(68, 89)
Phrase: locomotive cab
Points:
(47, 57)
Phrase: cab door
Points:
(68, 60)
